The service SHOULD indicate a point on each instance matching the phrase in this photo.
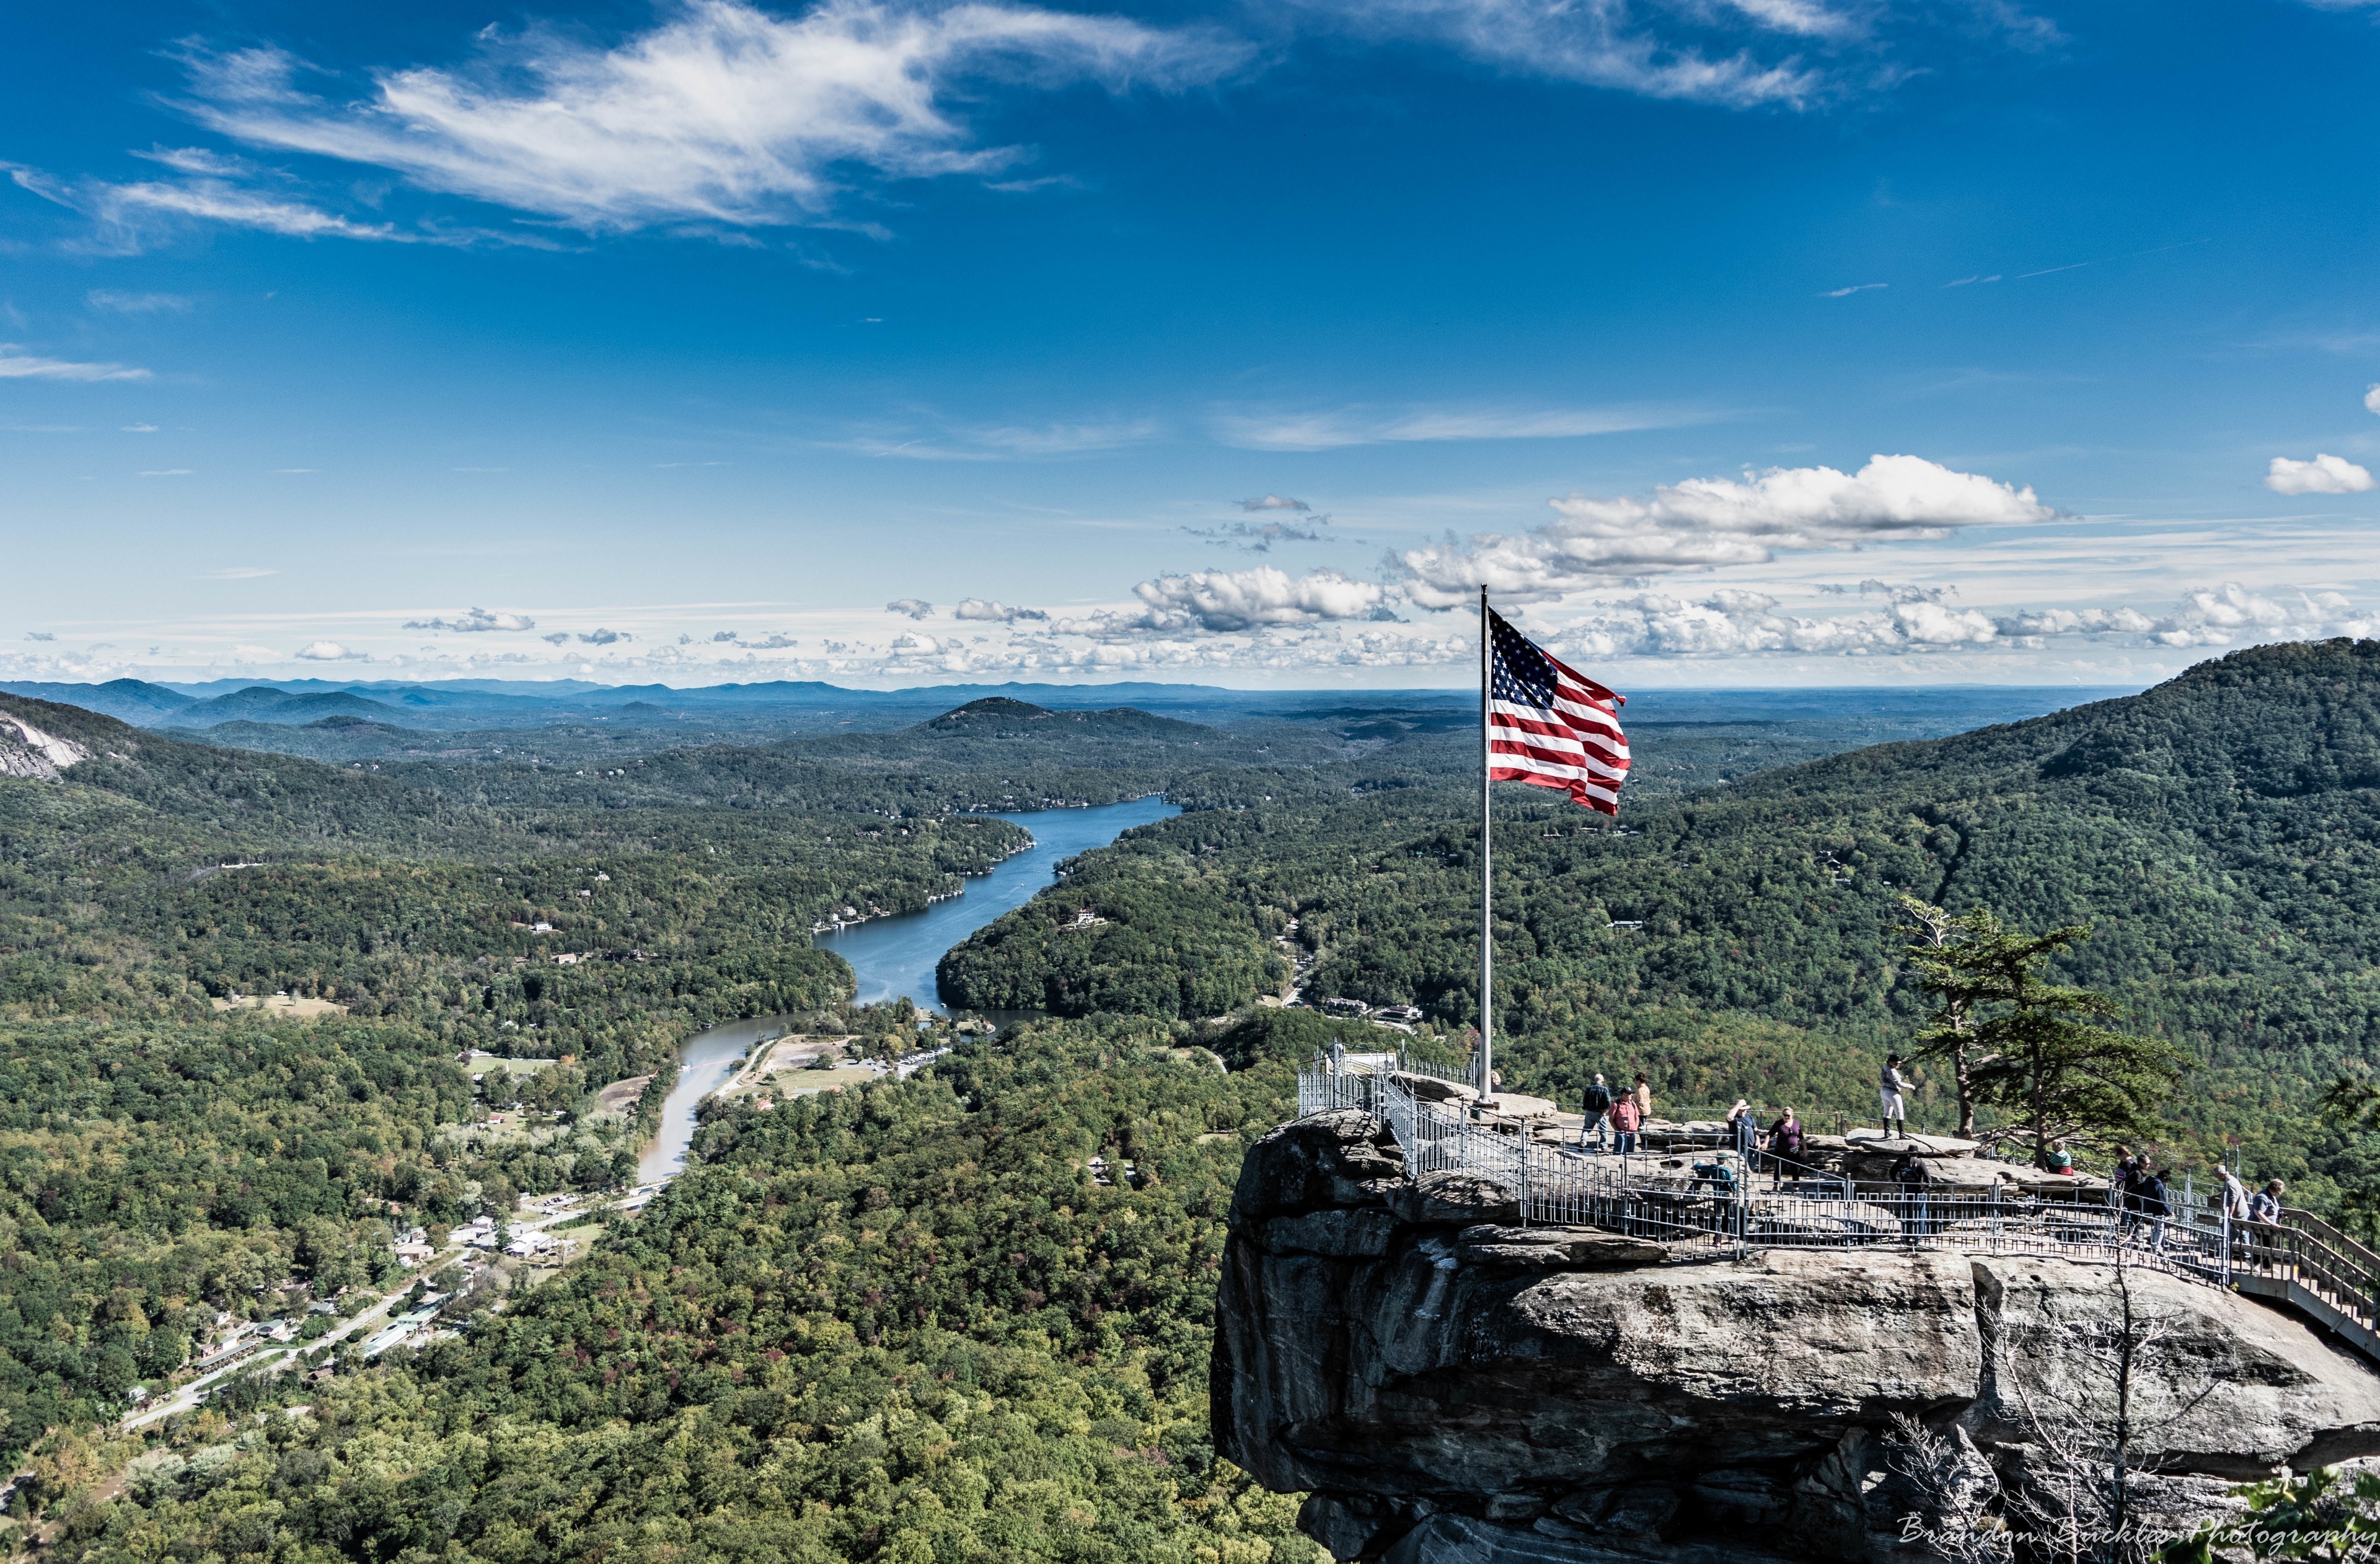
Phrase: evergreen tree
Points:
(2046, 1056)
(1968, 962)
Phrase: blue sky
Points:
(1732, 342)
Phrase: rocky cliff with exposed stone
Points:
(1451, 1386)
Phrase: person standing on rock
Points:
(2146, 1205)
(1644, 1095)
(1743, 1128)
(1625, 1118)
(1598, 1104)
(1784, 1144)
(1889, 1085)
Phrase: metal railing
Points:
(1713, 1199)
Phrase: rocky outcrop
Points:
(1449, 1386)
(26, 751)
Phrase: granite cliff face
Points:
(1451, 1386)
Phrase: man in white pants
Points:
(1889, 1085)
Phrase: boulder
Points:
(2229, 1386)
(1452, 1388)
(1339, 1158)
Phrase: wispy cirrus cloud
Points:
(1001, 443)
(1340, 428)
(723, 113)
(16, 364)
(119, 303)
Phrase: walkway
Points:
(1707, 1201)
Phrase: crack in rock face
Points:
(1448, 1386)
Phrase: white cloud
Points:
(2232, 615)
(599, 636)
(1228, 600)
(167, 472)
(2372, 399)
(1278, 502)
(477, 621)
(913, 607)
(18, 365)
(2324, 475)
(1332, 430)
(135, 303)
(39, 636)
(139, 429)
(1650, 49)
(1863, 287)
(327, 651)
(2076, 622)
(1732, 623)
(1714, 521)
(242, 573)
(723, 113)
(994, 612)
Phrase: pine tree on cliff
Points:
(2039, 1051)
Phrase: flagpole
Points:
(1486, 867)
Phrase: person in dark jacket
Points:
(1598, 1105)
(1785, 1145)
(2147, 1204)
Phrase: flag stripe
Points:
(1551, 726)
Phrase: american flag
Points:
(1550, 725)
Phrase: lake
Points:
(896, 955)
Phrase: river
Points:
(896, 955)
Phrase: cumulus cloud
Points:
(16, 363)
(724, 114)
(993, 611)
(915, 645)
(2076, 622)
(1714, 521)
(1733, 622)
(723, 636)
(1337, 429)
(479, 621)
(913, 607)
(1739, 623)
(602, 637)
(327, 651)
(2371, 398)
(557, 638)
(1228, 600)
(2325, 474)
(39, 636)
(2232, 615)
(1282, 503)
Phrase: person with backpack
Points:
(1598, 1105)
(1624, 1122)
(1889, 1085)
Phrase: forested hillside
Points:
(2221, 833)
(902, 1325)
